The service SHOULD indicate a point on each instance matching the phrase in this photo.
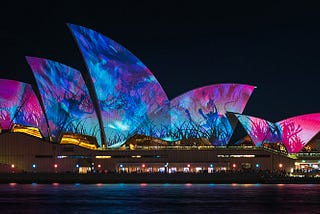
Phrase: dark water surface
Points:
(159, 198)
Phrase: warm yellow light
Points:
(79, 140)
(27, 130)
(103, 156)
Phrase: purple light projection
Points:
(66, 99)
(260, 130)
(19, 105)
(298, 131)
(201, 112)
(157, 124)
(127, 92)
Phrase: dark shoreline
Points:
(176, 178)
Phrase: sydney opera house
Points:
(116, 117)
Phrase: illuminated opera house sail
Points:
(19, 105)
(127, 92)
(202, 112)
(294, 132)
(120, 98)
(66, 99)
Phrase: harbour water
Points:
(159, 198)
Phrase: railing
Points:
(194, 148)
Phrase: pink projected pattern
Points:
(19, 105)
(201, 112)
(298, 131)
(260, 130)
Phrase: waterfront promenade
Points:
(216, 178)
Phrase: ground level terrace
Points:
(23, 153)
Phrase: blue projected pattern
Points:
(128, 93)
(158, 124)
(66, 99)
(131, 101)
(202, 112)
(260, 130)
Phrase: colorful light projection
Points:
(66, 99)
(19, 105)
(298, 131)
(260, 130)
(202, 112)
(157, 124)
(127, 92)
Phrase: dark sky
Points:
(273, 45)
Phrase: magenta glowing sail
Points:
(66, 99)
(19, 105)
(128, 93)
(298, 131)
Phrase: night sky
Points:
(274, 46)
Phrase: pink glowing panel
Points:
(298, 131)
(260, 130)
(202, 111)
(19, 105)
(66, 99)
(128, 93)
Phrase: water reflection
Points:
(159, 198)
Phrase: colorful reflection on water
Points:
(159, 198)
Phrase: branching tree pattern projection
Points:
(260, 130)
(299, 130)
(290, 135)
(19, 105)
(129, 100)
(66, 99)
(202, 112)
(293, 132)
(127, 91)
